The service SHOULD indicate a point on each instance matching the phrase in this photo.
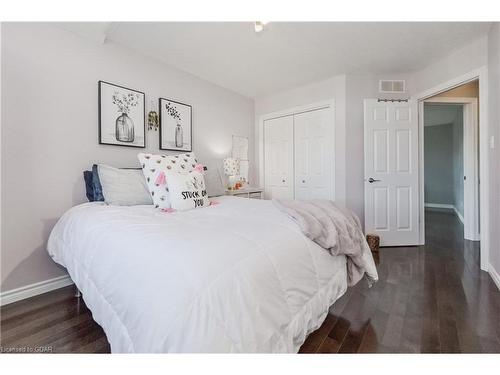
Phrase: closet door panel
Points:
(313, 154)
(278, 158)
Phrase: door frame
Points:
(482, 75)
(470, 160)
(289, 112)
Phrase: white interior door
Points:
(391, 172)
(278, 158)
(313, 138)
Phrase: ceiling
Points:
(441, 114)
(286, 54)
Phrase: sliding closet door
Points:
(278, 158)
(314, 154)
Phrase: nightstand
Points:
(249, 192)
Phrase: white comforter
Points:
(234, 277)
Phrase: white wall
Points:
(466, 59)
(49, 130)
(332, 88)
(494, 129)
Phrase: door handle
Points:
(371, 180)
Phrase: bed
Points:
(238, 276)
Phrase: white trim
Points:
(482, 75)
(459, 215)
(452, 83)
(35, 289)
(421, 176)
(294, 111)
(494, 275)
(440, 205)
(298, 109)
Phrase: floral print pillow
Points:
(155, 167)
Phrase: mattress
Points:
(238, 276)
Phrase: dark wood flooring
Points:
(56, 322)
(429, 299)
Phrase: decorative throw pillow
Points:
(89, 187)
(96, 184)
(123, 187)
(187, 190)
(154, 165)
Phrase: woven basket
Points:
(373, 241)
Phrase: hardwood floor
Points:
(429, 299)
(56, 322)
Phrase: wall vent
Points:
(392, 86)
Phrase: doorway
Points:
(450, 154)
(451, 160)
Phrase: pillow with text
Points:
(187, 190)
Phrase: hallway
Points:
(429, 299)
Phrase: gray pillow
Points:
(123, 187)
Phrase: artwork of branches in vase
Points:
(121, 116)
(124, 124)
(175, 125)
(174, 113)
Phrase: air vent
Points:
(395, 86)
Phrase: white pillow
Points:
(187, 190)
(123, 187)
(153, 165)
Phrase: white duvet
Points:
(234, 277)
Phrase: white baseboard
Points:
(446, 207)
(494, 275)
(35, 289)
(459, 215)
(440, 205)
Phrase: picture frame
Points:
(176, 125)
(122, 113)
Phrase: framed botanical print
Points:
(176, 126)
(121, 116)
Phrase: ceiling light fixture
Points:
(259, 26)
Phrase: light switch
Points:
(492, 142)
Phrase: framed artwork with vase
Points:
(121, 116)
(176, 125)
